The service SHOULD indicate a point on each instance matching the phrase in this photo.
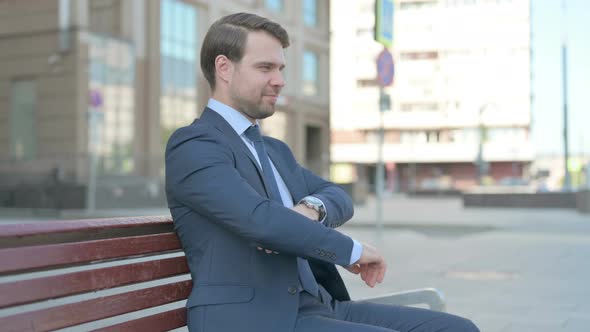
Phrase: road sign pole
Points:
(384, 35)
(385, 73)
(379, 173)
(95, 119)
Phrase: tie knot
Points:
(253, 133)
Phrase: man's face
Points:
(257, 79)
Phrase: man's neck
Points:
(222, 98)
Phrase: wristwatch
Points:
(316, 204)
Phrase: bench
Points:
(117, 274)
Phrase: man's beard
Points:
(254, 110)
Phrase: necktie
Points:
(306, 277)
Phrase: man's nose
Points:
(277, 79)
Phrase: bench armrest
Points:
(430, 296)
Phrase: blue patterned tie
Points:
(306, 277)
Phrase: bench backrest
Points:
(96, 274)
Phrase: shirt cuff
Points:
(326, 215)
(357, 251)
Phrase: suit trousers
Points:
(326, 315)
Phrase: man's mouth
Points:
(273, 98)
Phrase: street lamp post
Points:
(567, 177)
(480, 162)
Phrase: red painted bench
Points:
(78, 262)
(120, 274)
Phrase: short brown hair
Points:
(227, 36)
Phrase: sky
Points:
(548, 22)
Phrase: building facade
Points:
(92, 89)
(461, 99)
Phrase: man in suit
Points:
(256, 227)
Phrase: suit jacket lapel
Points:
(233, 138)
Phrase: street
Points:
(507, 270)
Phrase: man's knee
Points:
(464, 325)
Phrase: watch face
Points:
(313, 200)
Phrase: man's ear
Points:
(224, 68)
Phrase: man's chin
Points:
(266, 112)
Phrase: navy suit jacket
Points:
(222, 213)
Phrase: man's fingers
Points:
(364, 272)
(354, 268)
(372, 273)
(371, 276)
(268, 251)
(378, 274)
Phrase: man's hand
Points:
(371, 266)
(268, 251)
(307, 212)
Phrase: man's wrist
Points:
(309, 212)
(357, 251)
(316, 205)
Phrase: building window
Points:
(433, 136)
(416, 4)
(23, 136)
(178, 66)
(310, 13)
(274, 5)
(310, 73)
(432, 55)
(368, 82)
(112, 119)
(413, 137)
(418, 107)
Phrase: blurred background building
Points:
(90, 91)
(461, 100)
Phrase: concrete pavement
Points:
(506, 269)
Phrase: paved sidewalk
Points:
(509, 270)
(506, 269)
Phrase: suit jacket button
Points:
(292, 290)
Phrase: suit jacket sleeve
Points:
(337, 202)
(201, 175)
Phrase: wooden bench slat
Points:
(28, 258)
(164, 321)
(27, 291)
(95, 309)
(64, 226)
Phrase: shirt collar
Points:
(235, 119)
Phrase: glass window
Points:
(274, 5)
(178, 66)
(310, 73)
(23, 136)
(111, 83)
(417, 4)
(310, 12)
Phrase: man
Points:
(256, 227)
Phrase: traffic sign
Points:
(385, 69)
(95, 98)
(384, 22)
